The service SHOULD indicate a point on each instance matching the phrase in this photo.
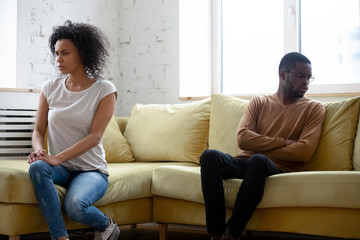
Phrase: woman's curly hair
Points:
(90, 42)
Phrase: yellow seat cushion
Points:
(129, 181)
(335, 148)
(15, 182)
(310, 189)
(180, 182)
(169, 132)
(116, 148)
(16, 185)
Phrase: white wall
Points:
(19, 100)
(8, 42)
(36, 20)
(143, 35)
(148, 53)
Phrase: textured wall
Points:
(148, 53)
(143, 35)
(36, 19)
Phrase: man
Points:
(278, 133)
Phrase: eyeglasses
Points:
(309, 78)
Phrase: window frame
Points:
(292, 42)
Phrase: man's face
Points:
(297, 79)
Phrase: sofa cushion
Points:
(226, 113)
(127, 181)
(115, 145)
(335, 148)
(356, 152)
(164, 132)
(185, 181)
(310, 189)
(15, 182)
(16, 185)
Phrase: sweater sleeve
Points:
(304, 148)
(250, 140)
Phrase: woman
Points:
(75, 109)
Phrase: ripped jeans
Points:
(83, 190)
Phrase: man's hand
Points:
(289, 142)
(250, 127)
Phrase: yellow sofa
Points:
(153, 160)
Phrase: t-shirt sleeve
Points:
(107, 88)
(46, 88)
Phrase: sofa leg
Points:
(163, 231)
(14, 237)
(249, 234)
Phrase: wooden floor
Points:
(175, 232)
(141, 232)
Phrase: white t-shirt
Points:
(69, 120)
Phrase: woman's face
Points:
(68, 58)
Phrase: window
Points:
(195, 46)
(249, 38)
(330, 32)
(252, 44)
(257, 33)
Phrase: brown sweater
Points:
(274, 123)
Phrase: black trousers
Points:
(216, 166)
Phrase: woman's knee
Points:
(74, 208)
(38, 168)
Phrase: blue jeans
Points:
(216, 166)
(83, 190)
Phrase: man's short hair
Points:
(289, 60)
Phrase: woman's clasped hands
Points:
(43, 155)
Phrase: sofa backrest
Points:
(356, 152)
(122, 122)
(116, 148)
(169, 132)
(338, 149)
(336, 146)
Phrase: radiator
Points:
(16, 127)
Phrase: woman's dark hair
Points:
(289, 60)
(89, 41)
